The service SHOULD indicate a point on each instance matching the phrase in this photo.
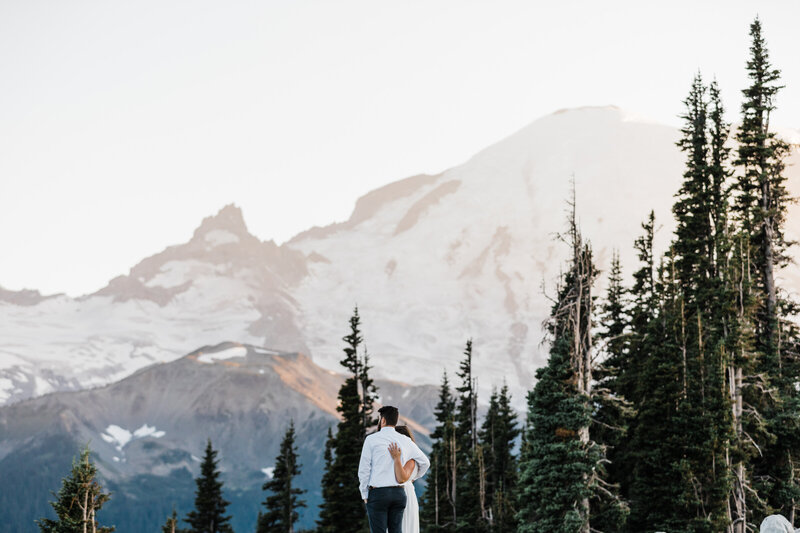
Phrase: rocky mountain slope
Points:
(430, 261)
(148, 431)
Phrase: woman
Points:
(405, 473)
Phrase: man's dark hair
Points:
(391, 414)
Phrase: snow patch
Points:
(5, 387)
(41, 386)
(117, 436)
(236, 351)
(406, 393)
(120, 437)
(148, 431)
(220, 236)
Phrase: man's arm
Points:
(364, 469)
(423, 463)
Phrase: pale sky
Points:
(123, 124)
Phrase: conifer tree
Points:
(284, 501)
(470, 495)
(171, 525)
(438, 510)
(208, 515)
(467, 414)
(761, 201)
(368, 393)
(653, 383)
(497, 436)
(761, 198)
(342, 508)
(658, 482)
(703, 408)
(329, 487)
(613, 411)
(78, 501)
(560, 465)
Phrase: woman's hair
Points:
(405, 430)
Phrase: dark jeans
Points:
(385, 506)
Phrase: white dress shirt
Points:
(376, 468)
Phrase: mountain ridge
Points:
(430, 260)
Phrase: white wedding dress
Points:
(411, 514)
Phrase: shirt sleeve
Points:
(423, 463)
(364, 469)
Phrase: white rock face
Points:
(430, 260)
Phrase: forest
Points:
(668, 404)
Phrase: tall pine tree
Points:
(703, 409)
(78, 501)
(496, 437)
(284, 501)
(560, 465)
(613, 411)
(329, 488)
(208, 515)
(342, 509)
(470, 494)
(438, 510)
(761, 201)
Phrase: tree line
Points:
(670, 404)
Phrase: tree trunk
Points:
(739, 487)
(767, 249)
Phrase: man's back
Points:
(379, 442)
(377, 466)
(384, 496)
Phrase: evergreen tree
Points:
(171, 525)
(560, 465)
(342, 509)
(329, 487)
(467, 414)
(761, 198)
(208, 515)
(497, 436)
(470, 496)
(369, 393)
(703, 407)
(284, 501)
(78, 501)
(438, 510)
(761, 201)
(613, 412)
(657, 485)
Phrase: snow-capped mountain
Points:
(223, 284)
(429, 260)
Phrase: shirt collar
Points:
(388, 428)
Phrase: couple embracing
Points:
(390, 462)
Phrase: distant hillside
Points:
(148, 431)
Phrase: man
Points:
(384, 496)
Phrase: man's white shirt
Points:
(376, 468)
